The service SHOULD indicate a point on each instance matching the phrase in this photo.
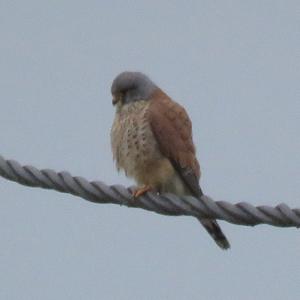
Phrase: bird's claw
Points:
(141, 191)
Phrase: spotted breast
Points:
(135, 148)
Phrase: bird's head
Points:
(129, 87)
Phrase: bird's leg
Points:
(141, 191)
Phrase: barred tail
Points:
(213, 228)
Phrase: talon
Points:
(141, 191)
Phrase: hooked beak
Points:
(116, 99)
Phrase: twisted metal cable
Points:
(167, 204)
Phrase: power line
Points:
(167, 204)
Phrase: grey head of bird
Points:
(129, 87)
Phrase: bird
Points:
(151, 141)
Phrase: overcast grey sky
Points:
(234, 65)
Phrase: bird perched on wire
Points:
(151, 141)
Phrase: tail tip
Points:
(223, 243)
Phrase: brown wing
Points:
(173, 130)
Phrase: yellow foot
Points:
(141, 191)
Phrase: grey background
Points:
(234, 65)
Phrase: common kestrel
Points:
(151, 141)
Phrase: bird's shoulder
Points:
(172, 128)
